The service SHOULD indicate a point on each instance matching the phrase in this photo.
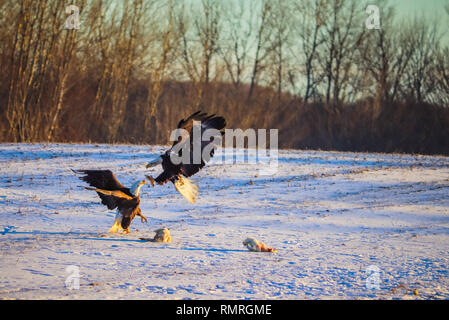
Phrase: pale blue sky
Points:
(431, 7)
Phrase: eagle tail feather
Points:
(187, 188)
(117, 226)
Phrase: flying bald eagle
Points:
(196, 143)
(114, 195)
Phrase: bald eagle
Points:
(114, 195)
(197, 140)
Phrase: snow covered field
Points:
(346, 226)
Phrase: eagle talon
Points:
(151, 180)
(143, 218)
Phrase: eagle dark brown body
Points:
(114, 195)
(174, 172)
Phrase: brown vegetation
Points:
(309, 68)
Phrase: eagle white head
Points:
(135, 188)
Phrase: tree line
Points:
(127, 71)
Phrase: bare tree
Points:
(378, 53)
(239, 19)
(343, 34)
(420, 71)
(262, 48)
(198, 31)
(309, 18)
(40, 59)
(207, 30)
(28, 39)
(386, 56)
(118, 47)
(64, 68)
(442, 73)
(279, 24)
(161, 48)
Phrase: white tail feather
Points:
(187, 188)
(117, 226)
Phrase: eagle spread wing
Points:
(111, 192)
(188, 168)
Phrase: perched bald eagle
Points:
(114, 195)
(197, 139)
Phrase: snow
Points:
(334, 217)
